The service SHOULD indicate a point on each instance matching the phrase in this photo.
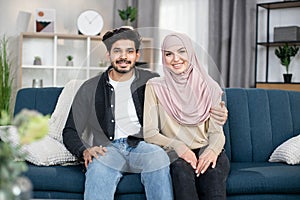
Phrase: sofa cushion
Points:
(59, 116)
(259, 120)
(70, 179)
(40, 99)
(45, 151)
(288, 152)
(262, 178)
(57, 178)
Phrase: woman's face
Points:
(176, 58)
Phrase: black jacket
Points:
(91, 118)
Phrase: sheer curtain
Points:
(190, 17)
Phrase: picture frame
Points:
(44, 20)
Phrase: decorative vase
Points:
(69, 63)
(287, 78)
(37, 61)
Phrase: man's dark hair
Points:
(123, 33)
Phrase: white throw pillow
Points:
(288, 152)
(60, 114)
(50, 150)
(45, 152)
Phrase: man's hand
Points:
(207, 158)
(89, 153)
(219, 114)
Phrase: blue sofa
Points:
(259, 120)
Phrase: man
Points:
(104, 127)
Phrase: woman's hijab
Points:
(187, 96)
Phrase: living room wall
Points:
(12, 22)
(67, 12)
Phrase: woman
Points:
(177, 117)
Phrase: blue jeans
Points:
(104, 173)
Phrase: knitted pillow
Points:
(61, 111)
(45, 152)
(288, 152)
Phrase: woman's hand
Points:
(189, 156)
(207, 158)
(220, 114)
(89, 153)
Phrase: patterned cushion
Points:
(46, 151)
(288, 152)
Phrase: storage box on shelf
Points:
(88, 54)
(265, 47)
(286, 33)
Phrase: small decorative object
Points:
(284, 53)
(37, 83)
(44, 20)
(89, 22)
(69, 60)
(37, 60)
(286, 33)
(31, 126)
(128, 15)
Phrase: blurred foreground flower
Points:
(31, 126)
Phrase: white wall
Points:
(67, 12)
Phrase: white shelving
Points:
(53, 49)
(87, 51)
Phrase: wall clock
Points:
(89, 22)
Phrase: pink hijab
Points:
(188, 96)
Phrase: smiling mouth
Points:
(177, 65)
(120, 62)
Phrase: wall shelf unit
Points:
(265, 47)
(88, 57)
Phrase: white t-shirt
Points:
(126, 120)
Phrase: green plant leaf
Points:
(5, 79)
(128, 14)
(284, 53)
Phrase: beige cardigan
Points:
(163, 130)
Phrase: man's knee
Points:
(150, 157)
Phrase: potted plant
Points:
(37, 60)
(5, 79)
(284, 53)
(69, 60)
(128, 15)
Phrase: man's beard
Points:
(120, 70)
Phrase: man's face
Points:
(123, 56)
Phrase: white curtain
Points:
(189, 16)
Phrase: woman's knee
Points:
(180, 167)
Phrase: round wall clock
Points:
(89, 22)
